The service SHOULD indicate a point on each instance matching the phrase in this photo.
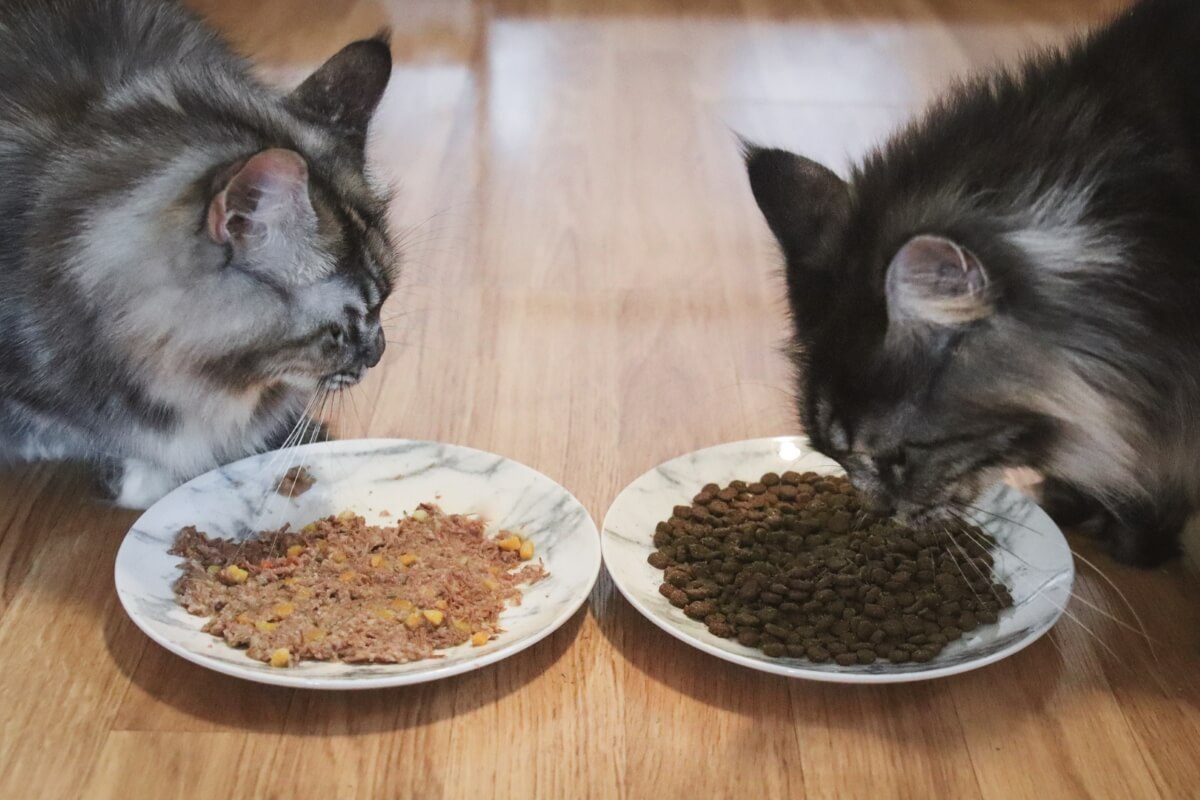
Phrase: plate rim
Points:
(785, 670)
(293, 681)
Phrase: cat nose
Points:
(373, 350)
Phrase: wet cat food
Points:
(795, 566)
(295, 482)
(344, 590)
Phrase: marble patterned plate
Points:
(368, 477)
(1033, 560)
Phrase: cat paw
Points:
(137, 484)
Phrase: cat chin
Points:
(342, 380)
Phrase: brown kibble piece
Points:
(795, 565)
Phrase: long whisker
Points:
(1099, 572)
(294, 433)
(362, 427)
(292, 437)
(974, 566)
(1120, 662)
(295, 451)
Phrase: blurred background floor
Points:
(589, 289)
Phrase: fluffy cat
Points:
(186, 256)
(1014, 281)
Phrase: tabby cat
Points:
(186, 256)
(1014, 281)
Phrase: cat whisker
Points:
(362, 427)
(275, 460)
(293, 451)
(1095, 637)
(967, 522)
(294, 432)
(1062, 609)
(1095, 568)
(302, 449)
(1141, 629)
(958, 565)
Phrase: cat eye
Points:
(334, 334)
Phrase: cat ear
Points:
(345, 90)
(936, 281)
(264, 201)
(800, 199)
(805, 205)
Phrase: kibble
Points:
(795, 565)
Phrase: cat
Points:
(186, 256)
(1013, 280)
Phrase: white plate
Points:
(1033, 559)
(366, 476)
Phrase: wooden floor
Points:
(589, 290)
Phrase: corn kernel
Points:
(266, 627)
(283, 610)
(384, 614)
(346, 516)
(244, 618)
(281, 657)
(295, 550)
(378, 561)
(234, 574)
(420, 515)
(460, 625)
(347, 576)
(400, 604)
(314, 635)
(408, 559)
(490, 584)
(511, 543)
(338, 556)
(526, 551)
(434, 616)
(414, 619)
(309, 528)
(442, 604)
(213, 569)
(479, 639)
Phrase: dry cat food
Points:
(295, 482)
(793, 565)
(343, 590)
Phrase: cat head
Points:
(920, 371)
(242, 244)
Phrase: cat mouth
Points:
(343, 380)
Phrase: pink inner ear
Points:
(938, 267)
(269, 182)
(937, 280)
(217, 228)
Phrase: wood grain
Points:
(589, 289)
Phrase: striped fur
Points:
(161, 304)
(1012, 281)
